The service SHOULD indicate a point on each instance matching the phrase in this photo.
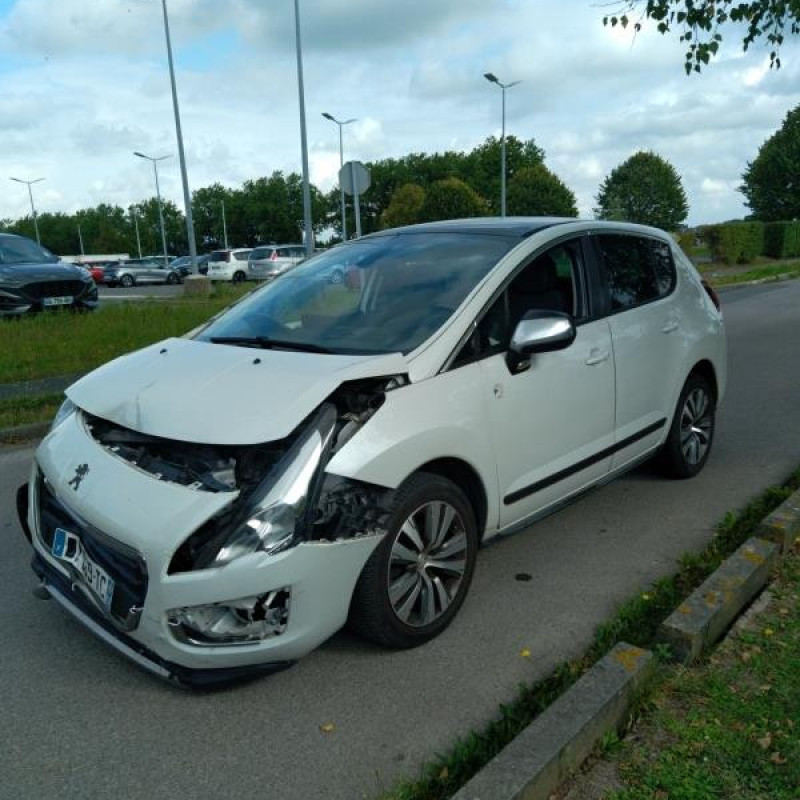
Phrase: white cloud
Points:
(82, 89)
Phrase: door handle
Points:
(597, 356)
(670, 327)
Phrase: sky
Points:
(84, 84)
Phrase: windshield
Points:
(15, 250)
(384, 294)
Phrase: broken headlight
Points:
(67, 408)
(281, 504)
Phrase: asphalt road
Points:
(78, 721)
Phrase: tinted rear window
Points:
(260, 253)
(220, 255)
(637, 269)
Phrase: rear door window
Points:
(628, 264)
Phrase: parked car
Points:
(229, 265)
(467, 378)
(33, 279)
(95, 270)
(268, 261)
(141, 271)
(183, 264)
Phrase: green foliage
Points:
(735, 242)
(699, 23)
(535, 191)
(451, 198)
(405, 206)
(687, 241)
(770, 182)
(645, 189)
(782, 239)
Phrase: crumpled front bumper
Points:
(154, 517)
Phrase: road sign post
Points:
(355, 179)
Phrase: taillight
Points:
(274, 256)
(713, 295)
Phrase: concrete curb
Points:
(58, 383)
(782, 526)
(533, 765)
(779, 278)
(24, 433)
(703, 617)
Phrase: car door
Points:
(552, 420)
(645, 320)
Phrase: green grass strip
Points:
(23, 410)
(636, 622)
(63, 343)
(758, 273)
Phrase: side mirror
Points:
(540, 332)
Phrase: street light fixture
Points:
(33, 208)
(155, 161)
(187, 196)
(493, 79)
(341, 164)
(307, 229)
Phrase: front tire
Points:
(415, 581)
(172, 279)
(126, 281)
(691, 434)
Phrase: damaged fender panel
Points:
(422, 422)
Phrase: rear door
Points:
(640, 279)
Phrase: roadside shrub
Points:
(782, 239)
(735, 242)
(687, 241)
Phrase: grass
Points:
(731, 728)
(63, 343)
(636, 622)
(722, 276)
(23, 410)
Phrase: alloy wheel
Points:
(427, 563)
(696, 425)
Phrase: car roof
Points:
(520, 227)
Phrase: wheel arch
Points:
(468, 480)
(706, 369)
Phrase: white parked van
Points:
(462, 379)
(229, 265)
(266, 262)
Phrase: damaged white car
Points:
(218, 505)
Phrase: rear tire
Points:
(126, 281)
(691, 434)
(172, 279)
(415, 581)
(239, 277)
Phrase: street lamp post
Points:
(341, 164)
(493, 79)
(309, 233)
(33, 207)
(136, 225)
(80, 240)
(155, 161)
(224, 225)
(187, 197)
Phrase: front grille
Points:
(123, 563)
(37, 291)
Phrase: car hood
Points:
(196, 391)
(31, 273)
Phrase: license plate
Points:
(68, 547)
(57, 301)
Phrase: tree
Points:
(405, 206)
(451, 198)
(535, 191)
(698, 23)
(645, 189)
(771, 186)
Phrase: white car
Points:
(462, 380)
(229, 265)
(266, 262)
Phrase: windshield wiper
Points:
(268, 344)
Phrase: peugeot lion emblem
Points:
(81, 471)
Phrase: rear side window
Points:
(259, 254)
(630, 265)
(243, 256)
